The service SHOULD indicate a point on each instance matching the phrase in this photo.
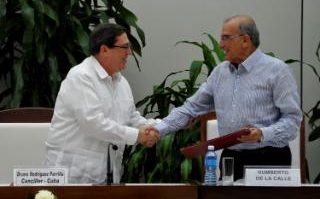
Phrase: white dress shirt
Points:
(92, 110)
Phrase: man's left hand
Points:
(255, 135)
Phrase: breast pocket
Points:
(125, 109)
(259, 93)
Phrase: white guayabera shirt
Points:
(92, 110)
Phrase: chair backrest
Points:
(21, 144)
(297, 146)
(26, 115)
(23, 132)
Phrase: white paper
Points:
(212, 129)
(272, 177)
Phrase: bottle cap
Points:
(210, 147)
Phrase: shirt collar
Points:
(252, 60)
(248, 63)
(103, 74)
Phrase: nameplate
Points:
(40, 176)
(272, 177)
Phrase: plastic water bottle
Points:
(210, 163)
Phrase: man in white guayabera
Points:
(94, 115)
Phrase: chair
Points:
(26, 115)
(23, 132)
(302, 162)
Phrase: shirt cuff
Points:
(162, 127)
(266, 134)
(131, 135)
(153, 121)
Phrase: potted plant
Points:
(41, 40)
(164, 163)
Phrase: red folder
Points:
(218, 143)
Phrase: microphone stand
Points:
(109, 171)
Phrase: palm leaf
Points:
(50, 37)
(168, 163)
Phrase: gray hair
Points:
(249, 27)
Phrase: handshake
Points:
(148, 136)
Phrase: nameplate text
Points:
(40, 176)
(272, 177)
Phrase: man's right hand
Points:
(148, 136)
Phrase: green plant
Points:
(41, 40)
(314, 113)
(164, 163)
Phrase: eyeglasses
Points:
(126, 46)
(229, 37)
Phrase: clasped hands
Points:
(148, 136)
(254, 136)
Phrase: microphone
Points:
(109, 171)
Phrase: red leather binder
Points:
(218, 143)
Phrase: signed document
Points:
(218, 143)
